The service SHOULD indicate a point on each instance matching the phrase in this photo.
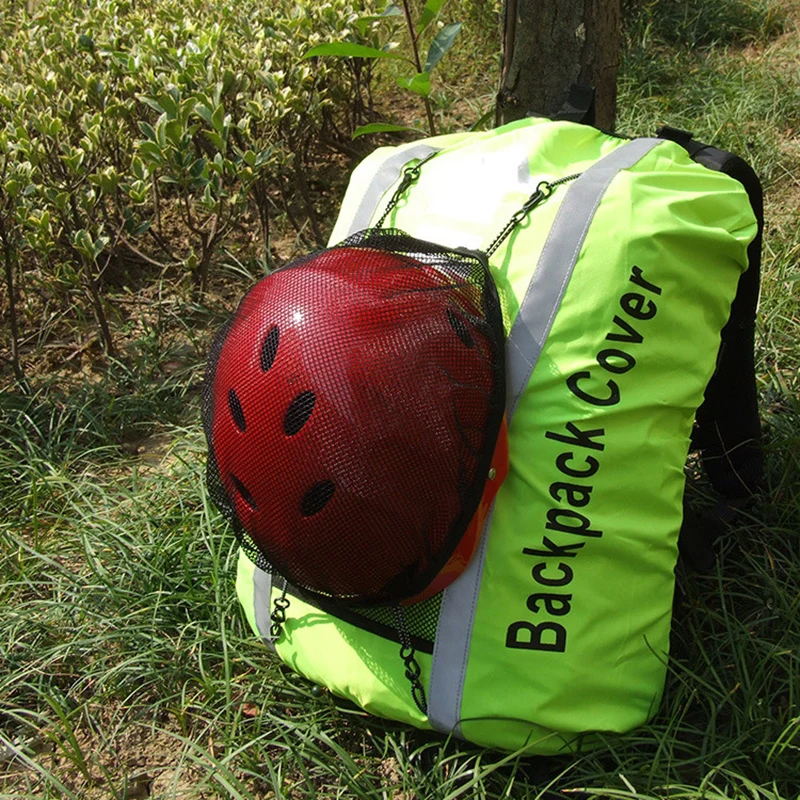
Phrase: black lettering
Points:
(638, 306)
(612, 399)
(581, 528)
(579, 438)
(604, 356)
(536, 635)
(555, 604)
(553, 549)
(633, 337)
(574, 493)
(639, 280)
(593, 466)
(537, 571)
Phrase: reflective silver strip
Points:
(383, 178)
(262, 601)
(451, 646)
(526, 339)
(549, 282)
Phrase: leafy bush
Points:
(144, 134)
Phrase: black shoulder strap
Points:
(728, 430)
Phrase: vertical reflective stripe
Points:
(451, 647)
(386, 175)
(525, 342)
(262, 599)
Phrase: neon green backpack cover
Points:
(614, 291)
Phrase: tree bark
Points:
(549, 45)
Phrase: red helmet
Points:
(352, 408)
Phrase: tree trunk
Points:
(549, 45)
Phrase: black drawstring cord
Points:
(278, 615)
(407, 653)
(543, 190)
(410, 174)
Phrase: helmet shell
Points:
(352, 406)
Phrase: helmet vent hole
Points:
(316, 498)
(269, 349)
(298, 412)
(244, 493)
(237, 412)
(460, 327)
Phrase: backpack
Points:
(628, 281)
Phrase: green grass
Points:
(127, 669)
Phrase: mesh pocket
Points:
(351, 407)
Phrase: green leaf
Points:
(217, 118)
(137, 192)
(217, 140)
(107, 180)
(432, 8)
(382, 127)
(349, 50)
(169, 105)
(137, 167)
(175, 94)
(441, 44)
(484, 120)
(161, 133)
(362, 23)
(153, 103)
(99, 246)
(148, 130)
(85, 42)
(204, 111)
(197, 169)
(264, 157)
(82, 242)
(420, 84)
(174, 132)
(151, 151)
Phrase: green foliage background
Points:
(156, 158)
(136, 135)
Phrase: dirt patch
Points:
(110, 757)
(781, 53)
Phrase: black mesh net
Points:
(351, 406)
(421, 618)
